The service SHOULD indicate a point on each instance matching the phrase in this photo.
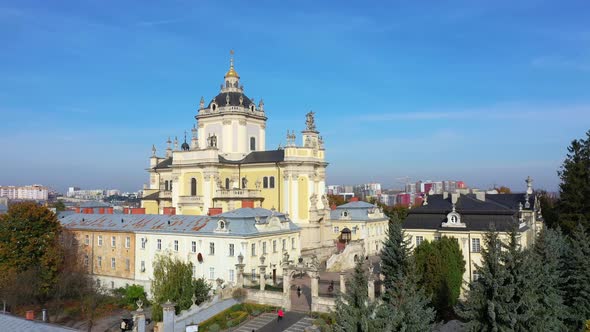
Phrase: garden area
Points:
(234, 316)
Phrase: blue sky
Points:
(484, 91)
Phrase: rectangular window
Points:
(231, 249)
(142, 266)
(475, 245)
(175, 245)
(419, 240)
(159, 244)
(264, 248)
(87, 240)
(194, 246)
(113, 241)
(354, 230)
(284, 244)
(292, 243)
(231, 275)
(100, 240)
(99, 261)
(437, 238)
(143, 241)
(253, 274)
(336, 229)
(211, 248)
(127, 264)
(85, 260)
(274, 245)
(211, 273)
(127, 242)
(194, 271)
(253, 249)
(113, 263)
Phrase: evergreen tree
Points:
(440, 267)
(520, 284)
(405, 307)
(548, 260)
(394, 254)
(354, 312)
(485, 308)
(577, 288)
(574, 202)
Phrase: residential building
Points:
(33, 192)
(226, 166)
(122, 248)
(360, 221)
(467, 217)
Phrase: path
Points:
(292, 322)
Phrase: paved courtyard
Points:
(292, 322)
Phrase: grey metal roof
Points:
(164, 164)
(94, 204)
(499, 211)
(358, 210)
(241, 222)
(258, 157)
(19, 324)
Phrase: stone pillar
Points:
(382, 278)
(286, 289)
(138, 321)
(371, 289)
(169, 314)
(262, 276)
(240, 271)
(315, 283)
(342, 283)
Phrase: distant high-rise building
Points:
(34, 192)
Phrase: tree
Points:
(574, 190)
(549, 208)
(485, 307)
(395, 254)
(354, 312)
(577, 289)
(549, 254)
(440, 267)
(59, 206)
(405, 307)
(503, 190)
(173, 281)
(336, 200)
(29, 239)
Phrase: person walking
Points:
(280, 315)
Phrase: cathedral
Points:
(226, 166)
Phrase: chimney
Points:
(481, 195)
(454, 198)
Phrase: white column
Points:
(286, 200)
(207, 197)
(321, 190)
(295, 194)
(262, 138)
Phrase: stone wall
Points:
(265, 297)
(323, 304)
(345, 259)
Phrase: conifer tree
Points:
(405, 306)
(394, 254)
(520, 284)
(548, 260)
(577, 288)
(485, 308)
(354, 312)
(574, 190)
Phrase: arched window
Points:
(252, 144)
(166, 185)
(265, 182)
(227, 183)
(272, 182)
(193, 187)
(227, 85)
(244, 183)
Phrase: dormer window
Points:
(453, 220)
(252, 108)
(222, 226)
(344, 214)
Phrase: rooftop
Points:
(14, 323)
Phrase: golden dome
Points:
(231, 72)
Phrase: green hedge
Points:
(233, 316)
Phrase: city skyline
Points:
(437, 92)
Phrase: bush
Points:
(239, 294)
(214, 328)
(255, 313)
